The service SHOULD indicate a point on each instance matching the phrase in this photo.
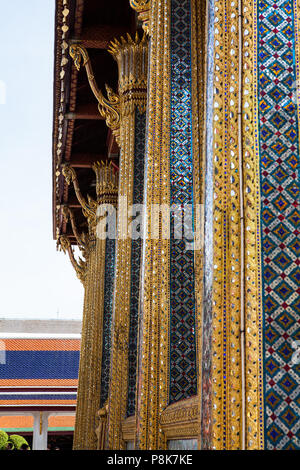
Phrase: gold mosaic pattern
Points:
(198, 25)
(253, 302)
(226, 361)
(227, 399)
(119, 371)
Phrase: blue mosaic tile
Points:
(107, 317)
(183, 376)
(136, 252)
(279, 154)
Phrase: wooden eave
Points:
(80, 136)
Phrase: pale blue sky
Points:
(35, 279)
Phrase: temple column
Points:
(125, 115)
(40, 430)
(97, 278)
(132, 58)
(171, 290)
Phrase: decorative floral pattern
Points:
(279, 167)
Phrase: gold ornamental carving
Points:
(143, 8)
(131, 54)
(181, 420)
(89, 206)
(107, 181)
(81, 238)
(80, 266)
(109, 108)
(128, 429)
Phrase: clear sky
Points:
(35, 279)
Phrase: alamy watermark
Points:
(157, 221)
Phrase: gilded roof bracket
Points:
(80, 238)
(109, 108)
(80, 266)
(89, 207)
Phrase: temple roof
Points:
(80, 135)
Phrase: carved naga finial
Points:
(109, 108)
(89, 207)
(78, 53)
(80, 266)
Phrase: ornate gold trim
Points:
(226, 359)
(181, 420)
(198, 28)
(119, 368)
(89, 384)
(254, 413)
(227, 429)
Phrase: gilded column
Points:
(132, 58)
(173, 291)
(93, 379)
(172, 270)
(153, 392)
(227, 298)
